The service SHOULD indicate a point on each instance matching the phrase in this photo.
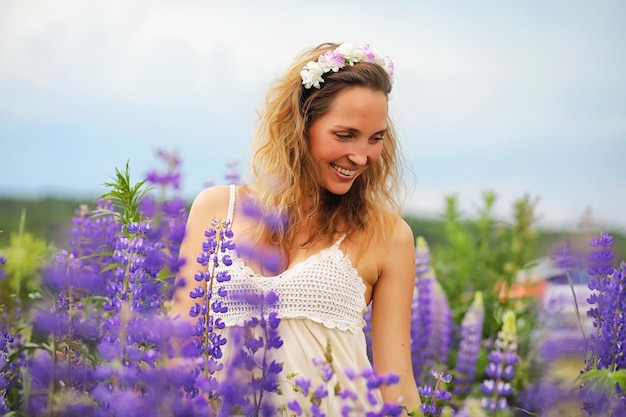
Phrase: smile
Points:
(343, 171)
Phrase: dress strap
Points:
(231, 203)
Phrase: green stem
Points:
(53, 353)
(18, 269)
(571, 286)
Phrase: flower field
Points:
(85, 330)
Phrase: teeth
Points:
(343, 171)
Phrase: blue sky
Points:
(515, 97)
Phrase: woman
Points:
(325, 169)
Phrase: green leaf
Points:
(604, 380)
(125, 196)
(29, 347)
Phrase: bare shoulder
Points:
(388, 253)
(400, 234)
(211, 203)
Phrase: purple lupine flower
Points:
(607, 350)
(501, 367)
(367, 331)
(431, 318)
(274, 219)
(250, 373)
(435, 396)
(442, 331)
(93, 232)
(562, 337)
(471, 339)
(373, 380)
(3, 273)
(10, 376)
(304, 384)
(208, 342)
(326, 369)
(390, 410)
(600, 258)
(72, 373)
(422, 309)
(350, 403)
(608, 300)
(294, 406)
(107, 292)
(539, 396)
(565, 258)
(171, 176)
(320, 392)
(232, 176)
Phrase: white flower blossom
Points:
(369, 55)
(332, 61)
(388, 66)
(312, 75)
(346, 50)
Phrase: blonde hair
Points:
(284, 172)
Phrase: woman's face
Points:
(348, 139)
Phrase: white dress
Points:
(321, 302)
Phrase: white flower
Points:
(379, 60)
(331, 61)
(312, 75)
(351, 54)
(389, 67)
(345, 49)
(369, 55)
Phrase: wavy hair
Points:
(284, 171)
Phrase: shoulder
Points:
(397, 244)
(213, 194)
(211, 202)
(392, 233)
(397, 232)
(388, 250)
(402, 228)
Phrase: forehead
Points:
(359, 105)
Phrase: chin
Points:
(338, 193)
(339, 190)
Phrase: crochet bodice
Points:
(324, 288)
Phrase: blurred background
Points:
(523, 98)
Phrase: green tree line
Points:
(49, 219)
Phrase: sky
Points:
(519, 98)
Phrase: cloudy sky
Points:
(515, 97)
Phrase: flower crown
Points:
(344, 55)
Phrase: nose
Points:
(359, 153)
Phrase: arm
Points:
(391, 317)
(210, 203)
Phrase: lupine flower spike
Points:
(431, 318)
(603, 380)
(471, 339)
(501, 367)
(209, 342)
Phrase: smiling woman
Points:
(325, 214)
